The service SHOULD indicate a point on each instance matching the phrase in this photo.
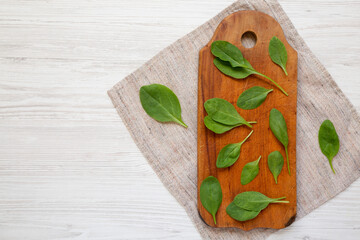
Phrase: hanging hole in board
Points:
(248, 39)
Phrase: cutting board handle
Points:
(231, 31)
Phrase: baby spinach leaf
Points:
(278, 126)
(247, 205)
(235, 72)
(224, 112)
(277, 52)
(279, 129)
(275, 163)
(250, 171)
(211, 195)
(229, 154)
(253, 97)
(219, 127)
(240, 214)
(160, 103)
(255, 201)
(229, 63)
(329, 141)
(227, 52)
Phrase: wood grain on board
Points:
(212, 83)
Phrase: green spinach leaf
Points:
(253, 97)
(279, 129)
(229, 63)
(224, 112)
(211, 195)
(250, 171)
(240, 214)
(329, 141)
(229, 154)
(255, 201)
(237, 72)
(219, 127)
(248, 205)
(278, 54)
(160, 103)
(227, 52)
(275, 163)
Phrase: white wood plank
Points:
(68, 167)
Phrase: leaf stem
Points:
(276, 199)
(330, 161)
(277, 85)
(284, 70)
(282, 202)
(240, 124)
(257, 161)
(214, 218)
(248, 124)
(287, 159)
(247, 137)
(179, 121)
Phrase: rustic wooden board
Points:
(212, 83)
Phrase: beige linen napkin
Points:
(171, 149)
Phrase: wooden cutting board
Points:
(212, 83)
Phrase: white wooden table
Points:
(68, 167)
